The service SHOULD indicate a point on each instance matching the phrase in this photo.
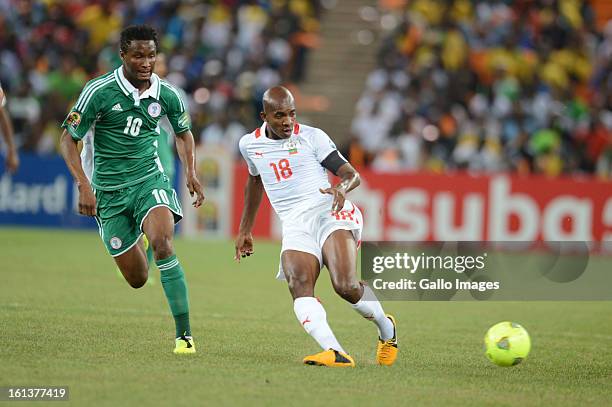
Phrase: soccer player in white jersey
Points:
(320, 226)
(11, 162)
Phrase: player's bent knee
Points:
(136, 278)
(162, 247)
(346, 287)
(133, 267)
(137, 283)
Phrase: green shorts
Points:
(121, 213)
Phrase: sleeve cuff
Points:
(181, 130)
(72, 133)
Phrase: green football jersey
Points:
(125, 127)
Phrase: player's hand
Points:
(194, 187)
(87, 200)
(12, 161)
(339, 197)
(244, 246)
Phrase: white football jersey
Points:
(290, 169)
(87, 154)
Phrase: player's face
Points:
(139, 60)
(281, 119)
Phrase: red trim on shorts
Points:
(353, 205)
(296, 128)
(257, 133)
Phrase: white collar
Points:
(129, 89)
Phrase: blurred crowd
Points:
(488, 85)
(223, 53)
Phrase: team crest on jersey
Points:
(154, 109)
(115, 242)
(74, 119)
(291, 146)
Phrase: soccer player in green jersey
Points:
(124, 186)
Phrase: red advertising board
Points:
(422, 206)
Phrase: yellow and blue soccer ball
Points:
(507, 344)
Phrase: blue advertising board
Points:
(40, 193)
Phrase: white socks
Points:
(369, 307)
(313, 318)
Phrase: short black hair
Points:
(137, 32)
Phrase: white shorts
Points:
(309, 231)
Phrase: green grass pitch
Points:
(67, 318)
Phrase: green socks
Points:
(175, 288)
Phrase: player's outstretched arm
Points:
(185, 146)
(12, 159)
(253, 192)
(350, 180)
(70, 152)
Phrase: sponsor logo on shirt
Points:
(117, 108)
(154, 110)
(258, 154)
(73, 119)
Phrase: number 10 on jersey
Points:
(133, 126)
(282, 170)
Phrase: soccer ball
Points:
(507, 344)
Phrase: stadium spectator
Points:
(225, 132)
(489, 86)
(224, 55)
